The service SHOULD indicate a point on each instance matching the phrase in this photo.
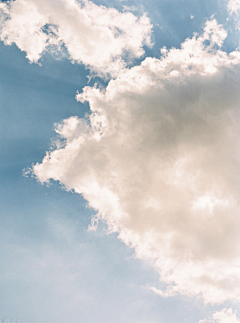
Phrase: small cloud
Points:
(223, 316)
(233, 6)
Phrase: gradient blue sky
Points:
(52, 269)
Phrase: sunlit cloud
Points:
(101, 38)
(158, 155)
(158, 158)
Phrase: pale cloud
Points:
(158, 159)
(233, 6)
(23, 26)
(223, 316)
(101, 38)
(234, 10)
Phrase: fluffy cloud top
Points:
(93, 35)
(159, 158)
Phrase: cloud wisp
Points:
(158, 159)
(101, 38)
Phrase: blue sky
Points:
(53, 269)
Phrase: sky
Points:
(119, 161)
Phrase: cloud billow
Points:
(159, 155)
(159, 160)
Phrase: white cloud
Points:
(94, 35)
(23, 25)
(224, 316)
(234, 6)
(160, 162)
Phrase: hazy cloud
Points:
(158, 158)
(223, 316)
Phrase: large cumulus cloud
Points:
(159, 159)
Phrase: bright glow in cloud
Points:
(224, 316)
(93, 35)
(159, 159)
